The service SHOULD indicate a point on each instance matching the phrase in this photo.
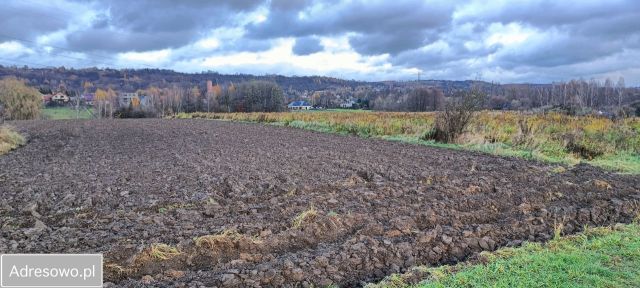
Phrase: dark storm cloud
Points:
(382, 26)
(575, 32)
(117, 41)
(152, 25)
(561, 51)
(438, 58)
(392, 43)
(283, 5)
(550, 13)
(17, 19)
(307, 45)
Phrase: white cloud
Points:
(336, 60)
(208, 43)
(510, 34)
(149, 57)
(13, 49)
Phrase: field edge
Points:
(622, 162)
(596, 257)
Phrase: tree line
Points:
(250, 96)
(575, 94)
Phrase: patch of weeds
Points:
(622, 162)
(183, 115)
(558, 229)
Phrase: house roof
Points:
(298, 104)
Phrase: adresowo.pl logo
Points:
(50, 270)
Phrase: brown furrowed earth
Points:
(205, 203)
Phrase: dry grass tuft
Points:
(163, 251)
(212, 241)
(117, 270)
(226, 239)
(600, 184)
(9, 139)
(307, 215)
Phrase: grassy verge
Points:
(9, 139)
(62, 113)
(598, 257)
(553, 138)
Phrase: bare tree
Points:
(457, 115)
(620, 91)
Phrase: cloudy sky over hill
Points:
(531, 41)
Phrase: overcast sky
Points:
(503, 41)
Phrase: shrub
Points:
(457, 115)
(20, 101)
(578, 144)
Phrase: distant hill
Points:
(331, 92)
(134, 79)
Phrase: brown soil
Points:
(204, 203)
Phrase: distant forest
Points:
(189, 91)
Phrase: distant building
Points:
(299, 105)
(347, 104)
(60, 97)
(125, 99)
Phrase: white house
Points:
(347, 104)
(299, 105)
(60, 97)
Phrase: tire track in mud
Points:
(205, 203)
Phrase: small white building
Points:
(299, 105)
(60, 97)
(347, 104)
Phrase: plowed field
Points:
(207, 203)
